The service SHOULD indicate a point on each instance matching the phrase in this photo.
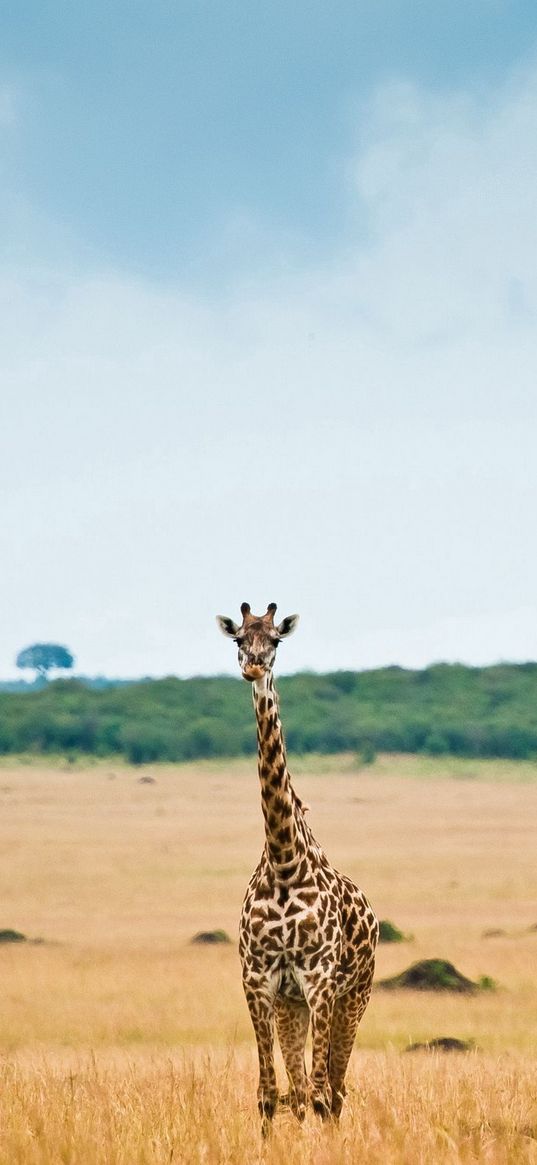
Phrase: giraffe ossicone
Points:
(307, 934)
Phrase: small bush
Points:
(367, 754)
(436, 744)
(486, 983)
(12, 936)
(389, 933)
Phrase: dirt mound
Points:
(210, 937)
(431, 975)
(443, 1044)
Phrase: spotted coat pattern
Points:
(307, 933)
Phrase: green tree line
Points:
(447, 708)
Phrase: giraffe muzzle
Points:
(252, 672)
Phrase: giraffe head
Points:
(257, 638)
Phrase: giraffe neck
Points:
(286, 832)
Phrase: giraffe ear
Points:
(287, 625)
(227, 626)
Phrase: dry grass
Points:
(196, 1109)
(122, 1043)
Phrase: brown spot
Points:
(272, 942)
(283, 805)
(309, 896)
(272, 752)
(309, 922)
(264, 890)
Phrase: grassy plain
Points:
(123, 1043)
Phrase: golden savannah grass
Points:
(191, 1108)
(122, 1042)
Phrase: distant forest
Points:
(447, 708)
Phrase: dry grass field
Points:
(121, 1043)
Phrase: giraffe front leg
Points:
(261, 1008)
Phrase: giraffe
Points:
(307, 934)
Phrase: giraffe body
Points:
(307, 933)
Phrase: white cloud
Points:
(450, 190)
(356, 441)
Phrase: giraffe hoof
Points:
(266, 1127)
(320, 1107)
(337, 1104)
(298, 1107)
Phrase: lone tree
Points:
(44, 656)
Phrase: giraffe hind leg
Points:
(348, 1011)
(321, 1002)
(292, 1020)
(262, 1015)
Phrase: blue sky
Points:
(269, 288)
(145, 128)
